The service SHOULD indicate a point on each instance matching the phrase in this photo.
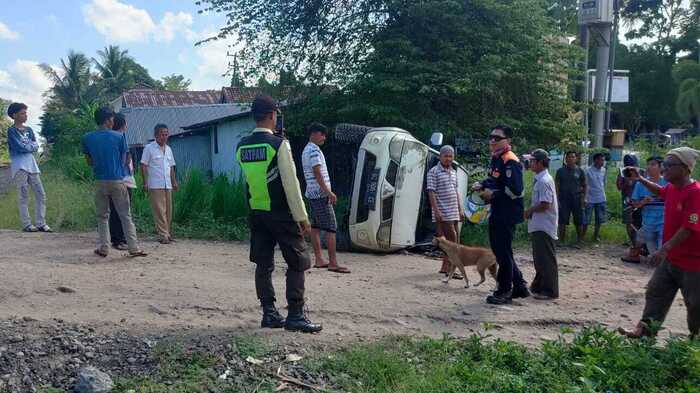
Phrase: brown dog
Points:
(461, 256)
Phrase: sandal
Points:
(339, 269)
(100, 252)
(120, 246)
(45, 228)
(139, 253)
(321, 266)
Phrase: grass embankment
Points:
(594, 360)
(201, 210)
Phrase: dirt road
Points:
(208, 285)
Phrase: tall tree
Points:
(175, 82)
(4, 125)
(71, 82)
(670, 24)
(114, 71)
(688, 103)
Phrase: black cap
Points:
(264, 104)
(540, 155)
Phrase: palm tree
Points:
(71, 82)
(114, 69)
(688, 102)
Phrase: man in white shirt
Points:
(321, 198)
(159, 181)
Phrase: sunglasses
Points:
(496, 138)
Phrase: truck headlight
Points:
(384, 235)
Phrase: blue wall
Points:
(192, 152)
(228, 134)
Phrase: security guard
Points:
(504, 190)
(277, 216)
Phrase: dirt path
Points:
(197, 285)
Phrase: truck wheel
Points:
(350, 133)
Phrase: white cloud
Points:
(212, 63)
(7, 34)
(171, 24)
(119, 22)
(24, 81)
(122, 22)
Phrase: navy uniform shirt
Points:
(505, 179)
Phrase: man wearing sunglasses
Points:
(678, 259)
(503, 189)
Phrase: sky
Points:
(159, 34)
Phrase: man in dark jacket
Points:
(504, 190)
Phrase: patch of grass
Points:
(595, 360)
(253, 346)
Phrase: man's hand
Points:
(462, 216)
(176, 186)
(527, 214)
(332, 198)
(486, 194)
(659, 256)
(438, 216)
(477, 187)
(304, 227)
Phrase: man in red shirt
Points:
(678, 259)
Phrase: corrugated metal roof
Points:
(151, 98)
(141, 121)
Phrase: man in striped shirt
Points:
(321, 198)
(445, 200)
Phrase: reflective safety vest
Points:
(257, 154)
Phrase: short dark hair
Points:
(103, 114)
(659, 160)
(317, 127)
(159, 127)
(258, 117)
(574, 152)
(599, 154)
(14, 108)
(507, 130)
(119, 121)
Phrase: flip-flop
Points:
(339, 269)
(101, 253)
(138, 253)
(322, 266)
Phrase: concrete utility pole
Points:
(598, 16)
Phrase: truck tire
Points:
(350, 133)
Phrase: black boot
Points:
(297, 321)
(271, 318)
(520, 292)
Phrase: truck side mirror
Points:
(436, 139)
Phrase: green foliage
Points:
(685, 69)
(245, 346)
(5, 123)
(65, 130)
(193, 198)
(175, 82)
(595, 360)
(228, 200)
(688, 103)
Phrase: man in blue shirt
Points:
(596, 201)
(652, 207)
(105, 151)
(25, 170)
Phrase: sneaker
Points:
(30, 228)
(45, 228)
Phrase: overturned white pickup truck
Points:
(389, 208)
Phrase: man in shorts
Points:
(321, 198)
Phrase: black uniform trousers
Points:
(501, 239)
(267, 231)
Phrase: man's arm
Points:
(15, 143)
(144, 172)
(677, 239)
(322, 183)
(290, 183)
(173, 178)
(433, 205)
(650, 185)
(546, 198)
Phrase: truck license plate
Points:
(371, 201)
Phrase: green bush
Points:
(595, 360)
